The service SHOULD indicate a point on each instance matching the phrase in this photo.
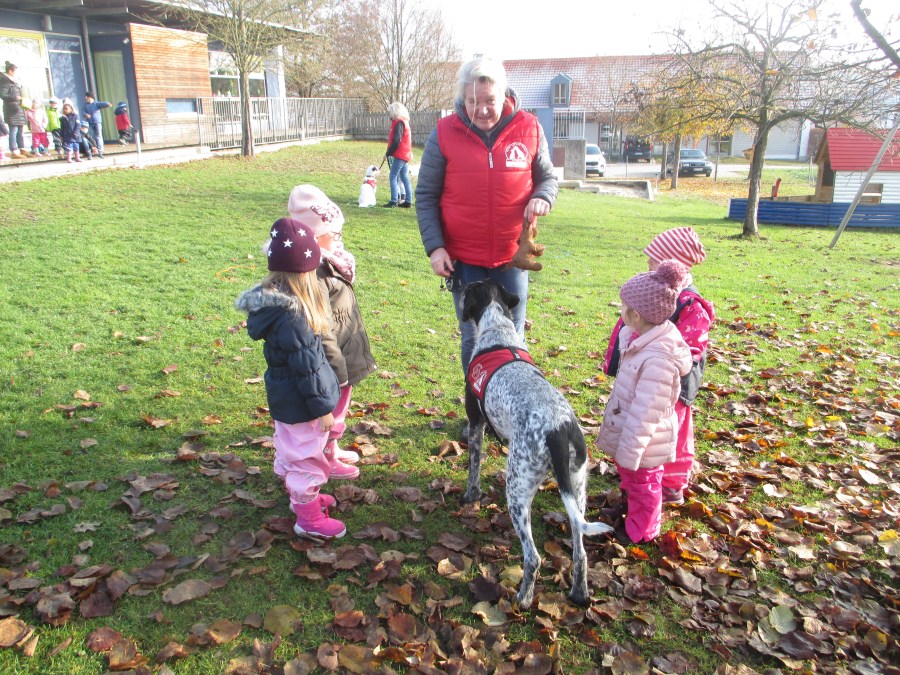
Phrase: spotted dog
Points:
(538, 424)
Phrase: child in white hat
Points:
(347, 345)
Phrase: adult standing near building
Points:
(13, 113)
(486, 173)
(399, 155)
(91, 113)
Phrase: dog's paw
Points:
(580, 598)
(471, 496)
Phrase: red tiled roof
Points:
(597, 81)
(855, 150)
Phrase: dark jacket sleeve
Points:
(429, 188)
(546, 186)
(394, 140)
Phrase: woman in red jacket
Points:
(486, 172)
(399, 155)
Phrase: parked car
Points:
(692, 161)
(637, 149)
(594, 160)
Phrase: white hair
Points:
(398, 111)
(481, 70)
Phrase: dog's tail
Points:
(568, 457)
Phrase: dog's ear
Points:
(474, 301)
(509, 299)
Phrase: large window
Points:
(28, 51)
(223, 76)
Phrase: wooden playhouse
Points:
(843, 160)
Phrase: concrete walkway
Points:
(115, 157)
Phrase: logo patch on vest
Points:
(517, 156)
(477, 377)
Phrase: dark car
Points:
(637, 149)
(693, 161)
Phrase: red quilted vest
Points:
(486, 191)
(404, 150)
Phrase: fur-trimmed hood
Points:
(257, 300)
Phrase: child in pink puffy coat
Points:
(640, 427)
(693, 317)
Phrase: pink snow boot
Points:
(313, 521)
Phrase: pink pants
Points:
(678, 472)
(39, 139)
(340, 416)
(299, 459)
(644, 489)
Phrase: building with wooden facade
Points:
(131, 51)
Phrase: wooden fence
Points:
(818, 214)
(375, 126)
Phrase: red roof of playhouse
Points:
(855, 150)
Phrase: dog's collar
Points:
(488, 361)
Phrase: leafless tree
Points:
(308, 58)
(773, 63)
(395, 50)
(250, 31)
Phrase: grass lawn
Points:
(143, 528)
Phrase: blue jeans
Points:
(513, 280)
(400, 170)
(16, 137)
(97, 131)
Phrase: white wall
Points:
(846, 183)
(784, 142)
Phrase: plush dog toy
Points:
(367, 191)
(528, 250)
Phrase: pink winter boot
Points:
(345, 456)
(313, 521)
(339, 470)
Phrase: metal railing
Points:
(568, 123)
(275, 120)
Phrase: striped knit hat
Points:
(680, 243)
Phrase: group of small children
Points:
(72, 136)
(657, 352)
(316, 350)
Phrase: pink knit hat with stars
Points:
(310, 206)
(679, 243)
(292, 248)
(653, 294)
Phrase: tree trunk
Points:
(247, 146)
(751, 226)
(676, 161)
(662, 161)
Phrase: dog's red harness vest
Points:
(371, 182)
(485, 364)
